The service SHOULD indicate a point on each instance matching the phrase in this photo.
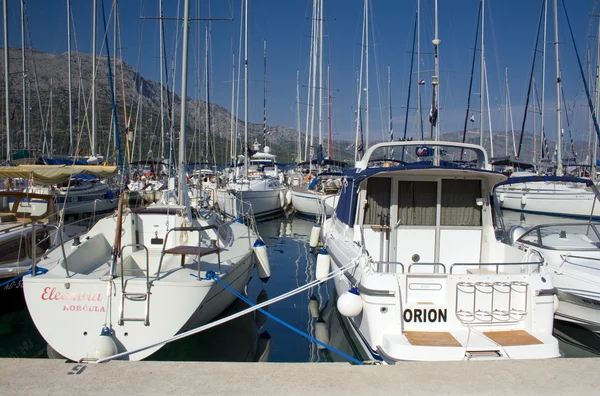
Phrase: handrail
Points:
(426, 264)
(538, 263)
(379, 263)
(62, 246)
(147, 263)
(566, 257)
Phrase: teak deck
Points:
(512, 338)
(431, 338)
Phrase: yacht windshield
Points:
(582, 236)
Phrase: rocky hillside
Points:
(49, 72)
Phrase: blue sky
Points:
(285, 24)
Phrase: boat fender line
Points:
(321, 344)
(210, 276)
(38, 271)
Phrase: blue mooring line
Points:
(39, 271)
(213, 275)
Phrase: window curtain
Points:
(417, 203)
(459, 206)
(377, 211)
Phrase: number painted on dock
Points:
(425, 315)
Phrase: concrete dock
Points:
(540, 377)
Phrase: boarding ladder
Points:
(134, 296)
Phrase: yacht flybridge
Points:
(431, 280)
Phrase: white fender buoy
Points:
(556, 303)
(502, 196)
(350, 303)
(103, 346)
(524, 200)
(263, 348)
(323, 262)
(282, 199)
(313, 306)
(259, 317)
(262, 267)
(288, 197)
(315, 235)
(321, 333)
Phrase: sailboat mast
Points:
(6, 82)
(390, 107)
(419, 118)
(320, 89)
(543, 94)
(367, 73)
(506, 111)
(182, 123)
(299, 155)
(265, 91)
(436, 79)
(94, 32)
(162, 89)
(25, 135)
(358, 142)
(246, 152)
(206, 100)
(309, 88)
(51, 119)
(330, 149)
(71, 147)
(559, 167)
(594, 146)
(482, 74)
(232, 151)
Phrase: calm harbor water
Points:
(254, 337)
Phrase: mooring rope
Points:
(232, 316)
(213, 275)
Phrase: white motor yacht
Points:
(430, 281)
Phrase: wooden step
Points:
(431, 338)
(512, 338)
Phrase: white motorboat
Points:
(431, 281)
(261, 189)
(80, 198)
(140, 277)
(571, 252)
(547, 197)
(319, 196)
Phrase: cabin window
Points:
(377, 210)
(459, 206)
(417, 202)
(13, 251)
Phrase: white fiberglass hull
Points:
(429, 305)
(576, 276)
(548, 198)
(263, 199)
(312, 204)
(70, 311)
(87, 200)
